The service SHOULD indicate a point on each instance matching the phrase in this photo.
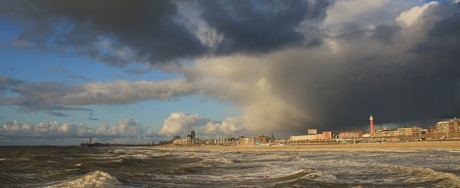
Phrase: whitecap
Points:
(161, 154)
(135, 156)
(217, 160)
(321, 177)
(93, 179)
(199, 164)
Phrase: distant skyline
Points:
(143, 71)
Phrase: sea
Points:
(154, 167)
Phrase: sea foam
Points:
(93, 179)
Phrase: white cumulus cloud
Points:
(53, 130)
(413, 16)
(181, 124)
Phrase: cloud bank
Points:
(69, 133)
(52, 95)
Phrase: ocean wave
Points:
(22, 159)
(135, 156)
(427, 175)
(118, 151)
(296, 175)
(192, 154)
(321, 177)
(93, 179)
(162, 154)
(217, 160)
(305, 174)
(198, 165)
(296, 158)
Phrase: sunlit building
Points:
(445, 127)
(324, 135)
(351, 134)
(405, 131)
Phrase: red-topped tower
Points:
(371, 119)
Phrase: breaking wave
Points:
(135, 156)
(427, 175)
(310, 174)
(93, 179)
(217, 160)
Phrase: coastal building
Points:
(399, 132)
(192, 135)
(302, 138)
(351, 134)
(263, 139)
(218, 141)
(409, 131)
(245, 141)
(182, 142)
(312, 131)
(327, 135)
(385, 133)
(324, 135)
(445, 127)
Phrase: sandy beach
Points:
(390, 146)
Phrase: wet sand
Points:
(390, 146)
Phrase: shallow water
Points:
(141, 167)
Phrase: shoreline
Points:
(442, 145)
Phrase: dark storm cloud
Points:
(121, 32)
(399, 93)
(384, 70)
(147, 29)
(421, 84)
(443, 39)
(385, 33)
(249, 27)
(351, 32)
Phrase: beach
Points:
(390, 146)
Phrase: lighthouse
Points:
(371, 119)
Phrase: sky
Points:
(143, 71)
